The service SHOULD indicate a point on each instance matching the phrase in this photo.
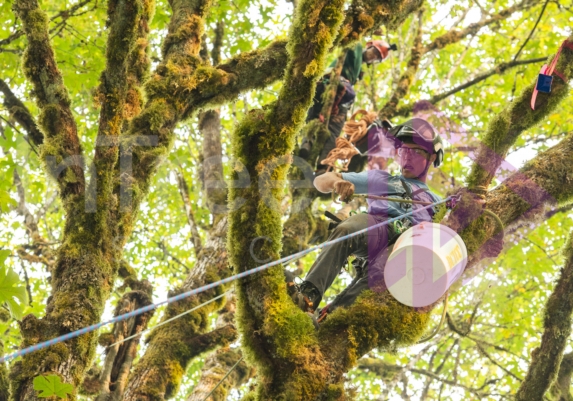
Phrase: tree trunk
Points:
(561, 388)
(547, 358)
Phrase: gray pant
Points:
(371, 246)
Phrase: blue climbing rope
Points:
(450, 203)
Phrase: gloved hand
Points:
(345, 189)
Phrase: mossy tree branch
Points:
(546, 359)
(120, 357)
(166, 91)
(171, 347)
(138, 64)
(86, 264)
(364, 17)
(277, 337)
(21, 114)
(517, 117)
(561, 388)
(61, 138)
(4, 381)
(220, 362)
(262, 67)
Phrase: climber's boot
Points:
(306, 297)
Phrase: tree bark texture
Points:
(561, 388)
(547, 358)
(86, 262)
(120, 357)
(219, 363)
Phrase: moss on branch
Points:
(166, 90)
(262, 67)
(504, 129)
(86, 265)
(407, 78)
(61, 140)
(21, 114)
(375, 320)
(546, 359)
(222, 84)
(277, 337)
(363, 17)
(219, 363)
(561, 388)
(172, 347)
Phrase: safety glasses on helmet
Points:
(403, 151)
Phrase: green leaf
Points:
(10, 288)
(6, 201)
(52, 385)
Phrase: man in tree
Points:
(418, 146)
(376, 51)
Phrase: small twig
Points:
(166, 251)
(544, 251)
(28, 288)
(18, 131)
(533, 30)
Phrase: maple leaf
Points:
(52, 386)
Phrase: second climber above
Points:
(376, 51)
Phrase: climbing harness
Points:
(374, 197)
(450, 202)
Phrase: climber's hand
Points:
(345, 189)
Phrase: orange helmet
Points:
(382, 47)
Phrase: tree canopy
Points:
(126, 131)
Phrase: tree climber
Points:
(418, 145)
(376, 51)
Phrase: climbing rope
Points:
(172, 319)
(223, 379)
(354, 131)
(449, 201)
(423, 340)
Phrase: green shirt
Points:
(352, 64)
